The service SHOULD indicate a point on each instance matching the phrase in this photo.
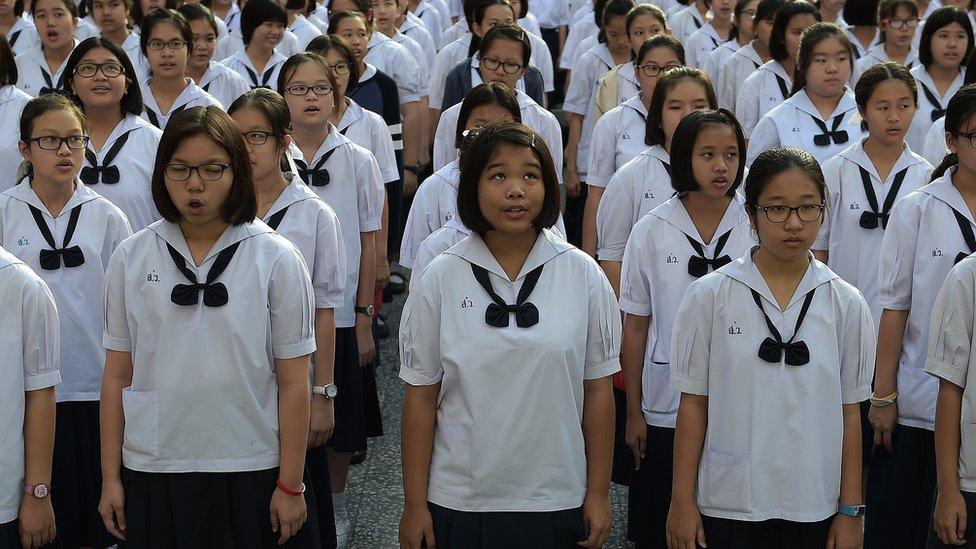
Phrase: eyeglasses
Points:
(806, 212)
(751, 14)
(301, 91)
(257, 137)
(88, 70)
(968, 136)
(175, 44)
(899, 23)
(491, 64)
(651, 70)
(341, 68)
(53, 142)
(206, 172)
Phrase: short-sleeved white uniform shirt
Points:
(367, 129)
(191, 96)
(760, 92)
(267, 77)
(224, 83)
(877, 55)
(12, 101)
(732, 73)
(618, 137)
(931, 105)
(701, 43)
(33, 73)
(588, 69)
(398, 63)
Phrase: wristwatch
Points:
(329, 391)
(413, 168)
(39, 491)
(851, 510)
(367, 310)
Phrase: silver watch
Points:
(329, 391)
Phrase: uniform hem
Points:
(769, 515)
(917, 423)
(42, 381)
(8, 515)
(117, 343)
(294, 350)
(608, 368)
(632, 308)
(946, 371)
(409, 377)
(200, 466)
(664, 421)
(690, 386)
(457, 503)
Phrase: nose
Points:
(63, 149)
(793, 222)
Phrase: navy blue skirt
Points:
(768, 534)
(543, 530)
(357, 407)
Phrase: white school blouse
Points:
(731, 74)
(414, 29)
(22, 35)
(438, 242)
(935, 149)
(534, 116)
(12, 101)
(356, 194)
(304, 31)
(859, 49)
(241, 63)
(140, 63)
(877, 55)
(430, 18)
(99, 228)
(772, 426)
(701, 43)
(509, 390)
(685, 22)
(551, 14)
(580, 29)
(132, 146)
(191, 96)
(29, 335)
(638, 187)
(712, 65)
(234, 42)
(918, 250)
(853, 249)
(797, 123)
(299, 215)
(419, 56)
(588, 69)
(931, 106)
(654, 277)
(396, 62)
(33, 73)
(762, 91)
(224, 83)
(367, 129)
(950, 356)
(186, 356)
(618, 137)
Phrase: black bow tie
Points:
(46, 90)
(831, 135)
(319, 175)
(967, 234)
(870, 220)
(773, 349)
(106, 173)
(49, 85)
(51, 260)
(263, 83)
(497, 314)
(154, 118)
(214, 293)
(937, 110)
(698, 264)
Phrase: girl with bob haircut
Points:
(898, 20)
(821, 114)
(861, 20)
(459, 467)
(39, 69)
(263, 25)
(217, 79)
(718, 30)
(700, 229)
(732, 72)
(771, 84)
(120, 153)
(291, 208)
(807, 362)
(12, 101)
(208, 271)
(742, 34)
(929, 231)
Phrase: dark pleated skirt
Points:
(649, 496)
(76, 476)
(10, 537)
(208, 510)
(317, 471)
(768, 534)
(357, 408)
(623, 458)
(544, 530)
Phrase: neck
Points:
(510, 249)
(269, 188)
(259, 55)
(400, 20)
(826, 105)
(780, 268)
(104, 119)
(412, 4)
(762, 49)
(7, 21)
(789, 65)
(168, 86)
(53, 195)
(827, 14)
(701, 204)
(897, 51)
(55, 57)
(340, 110)
(938, 72)
(195, 73)
(310, 138)
(388, 30)
(220, 9)
(207, 233)
(292, 15)
(117, 37)
(885, 152)
(702, 7)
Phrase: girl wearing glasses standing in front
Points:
(772, 355)
(166, 40)
(66, 232)
(898, 20)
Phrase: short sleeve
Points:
(614, 215)
(635, 282)
(603, 145)
(407, 76)
(691, 340)
(580, 90)
(444, 150)
(897, 259)
(573, 38)
(832, 171)
(291, 305)
(422, 220)
(420, 333)
(858, 351)
(371, 193)
(747, 104)
(41, 336)
(603, 330)
(438, 76)
(552, 134)
(382, 149)
(116, 336)
(951, 333)
(765, 136)
(329, 271)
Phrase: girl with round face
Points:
(39, 69)
(356, 33)
(110, 17)
(713, 32)
(14, 25)
(62, 230)
(742, 35)
(644, 22)
(732, 62)
(217, 79)
(899, 22)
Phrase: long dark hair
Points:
(962, 107)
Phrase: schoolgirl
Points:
(66, 232)
(686, 20)
(928, 232)
(39, 68)
(110, 17)
(347, 177)
(122, 145)
(706, 224)
(743, 33)
(233, 42)
(291, 208)
(411, 26)
(462, 486)
(228, 11)
(526, 19)
(617, 134)
(430, 17)
(175, 482)
(821, 116)
(772, 82)
(935, 149)
(12, 101)
(299, 25)
(831, 11)
(141, 8)
(217, 79)
(30, 372)
(385, 16)
(18, 30)
(166, 40)
(644, 183)
(262, 27)
(897, 20)
(613, 50)
(793, 481)
(862, 26)
(947, 42)
(732, 71)
(717, 30)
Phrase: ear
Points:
(24, 150)
(950, 142)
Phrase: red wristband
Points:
(289, 491)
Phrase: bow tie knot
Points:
(315, 178)
(72, 257)
(796, 352)
(498, 312)
(214, 294)
(109, 175)
(698, 264)
(837, 137)
(51, 259)
(871, 220)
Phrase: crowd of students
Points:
(715, 252)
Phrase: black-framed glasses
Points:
(206, 172)
(53, 142)
(491, 64)
(968, 136)
(899, 23)
(301, 91)
(779, 214)
(257, 137)
(88, 70)
(175, 44)
(651, 70)
(751, 14)
(341, 68)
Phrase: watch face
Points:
(40, 491)
(331, 391)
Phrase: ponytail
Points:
(951, 160)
